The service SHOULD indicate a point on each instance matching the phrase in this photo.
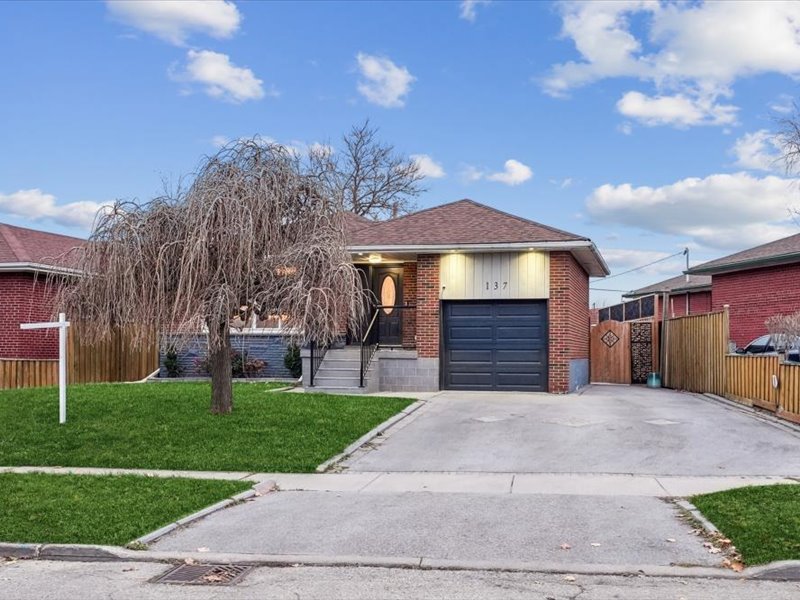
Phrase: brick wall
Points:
(409, 297)
(569, 318)
(427, 282)
(754, 295)
(25, 298)
(699, 303)
(271, 348)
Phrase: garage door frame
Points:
(546, 335)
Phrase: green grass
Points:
(169, 426)
(762, 522)
(89, 509)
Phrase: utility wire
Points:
(644, 266)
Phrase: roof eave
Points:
(594, 264)
(745, 265)
(30, 267)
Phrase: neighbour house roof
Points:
(785, 250)
(23, 249)
(469, 225)
(674, 285)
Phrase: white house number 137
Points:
(496, 285)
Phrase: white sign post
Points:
(62, 325)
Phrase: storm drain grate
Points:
(204, 574)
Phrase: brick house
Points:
(756, 284)
(684, 295)
(27, 257)
(467, 297)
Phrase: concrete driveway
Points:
(606, 429)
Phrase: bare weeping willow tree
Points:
(252, 230)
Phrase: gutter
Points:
(30, 267)
(772, 261)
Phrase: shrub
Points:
(241, 364)
(292, 360)
(171, 363)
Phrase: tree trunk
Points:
(219, 366)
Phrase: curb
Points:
(371, 435)
(697, 516)
(778, 571)
(151, 537)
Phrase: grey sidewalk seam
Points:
(371, 435)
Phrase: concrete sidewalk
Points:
(598, 529)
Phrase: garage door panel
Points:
(476, 309)
(513, 332)
(470, 356)
(461, 334)
(477, 380)
(498, 345)
(528, 357)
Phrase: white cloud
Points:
(783, 104)
(726, 211)
(35, 205)
(622, 259)
(694, 51)
(759, 150)
(562, 184)
(384, 83)
(468, 10)
(625, 128)
(220, 78)
(514, 173)
(678, 110)
(174, 20)
(428, 167)
(218, 141)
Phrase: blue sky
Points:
(645, 126)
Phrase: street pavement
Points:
(45, 580)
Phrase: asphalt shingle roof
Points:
(460, 222)
(784, 250)
(673, 283)
(21, 245)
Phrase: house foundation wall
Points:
(406, 372)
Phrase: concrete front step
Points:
(336, 381)
(335, 390)
(340, 363)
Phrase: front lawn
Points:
(168, 426)
(762, 522)
(88, 509)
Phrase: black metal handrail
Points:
(368, 346)
(370, 341)
(316, 355)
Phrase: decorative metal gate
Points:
(641, 350)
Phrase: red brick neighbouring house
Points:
(27, 256)
(684, 295)
(472, 298)
(756, 284)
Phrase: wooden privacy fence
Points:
(694, 352)
(697, 360)
(110, 360)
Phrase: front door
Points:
(387, 285)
